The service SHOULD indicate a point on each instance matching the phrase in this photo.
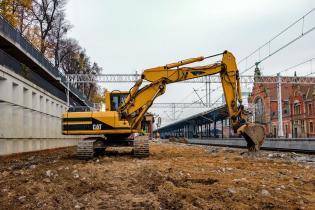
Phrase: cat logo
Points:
(97, 126)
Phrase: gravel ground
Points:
(175, 176)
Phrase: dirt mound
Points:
(178, 140)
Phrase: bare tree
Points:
(93, 89)
(45, 12)
(69, 51)
(43, 22)
(17, 13)
(25, 15)
(58, 40)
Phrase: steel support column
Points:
(222, 129)
(280, 123)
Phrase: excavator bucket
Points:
(254, 135)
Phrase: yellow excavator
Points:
(125, 110)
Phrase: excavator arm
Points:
(139, 99)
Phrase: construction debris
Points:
(175, 176)
(179, 140)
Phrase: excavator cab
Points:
(114, 99)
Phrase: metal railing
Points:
(16, 37)
(19, 39)
(246, 79)
(15, 66)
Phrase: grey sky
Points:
(124, 36)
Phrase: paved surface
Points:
(306, 145)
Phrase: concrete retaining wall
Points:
(30, 117)
(10, 146)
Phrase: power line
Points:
(279, 49)
(268, 43)
(310, 74)
(276, 36)
(297, 65)
(188, 95)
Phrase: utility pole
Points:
(208, 92)
(209, 97)
(68, 97)
(173, 112)
(280, 124)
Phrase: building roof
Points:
(287, 89)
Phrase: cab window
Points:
(117, 100)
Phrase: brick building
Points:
(298, 113)
(147, 124)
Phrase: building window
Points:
(311, 127)
(295, 135)
(286, 108)
(259, 110)
(309, 109)
(297, 108)
(274, 131)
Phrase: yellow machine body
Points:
(96, 123)
(125, 110)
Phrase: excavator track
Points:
(85, 149)
(141, 146)
(88, 148)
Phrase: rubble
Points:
(77, 206)
(75, 174)
(178, 140)
(32, 166)
(265, 192)
(213, 149)
(232, 190)
(49, 173)
(175, 176)
(22, 198)
(46, 180)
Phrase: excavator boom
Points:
(139, 100)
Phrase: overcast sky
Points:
(125, 36)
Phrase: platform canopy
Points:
(212, 115)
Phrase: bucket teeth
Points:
(254, 135)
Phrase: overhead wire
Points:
(211, 104)
(268, 43)
(297, 65)
(276, 36)
(194, 90)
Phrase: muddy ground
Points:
(175, 176)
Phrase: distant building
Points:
(298, 101)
